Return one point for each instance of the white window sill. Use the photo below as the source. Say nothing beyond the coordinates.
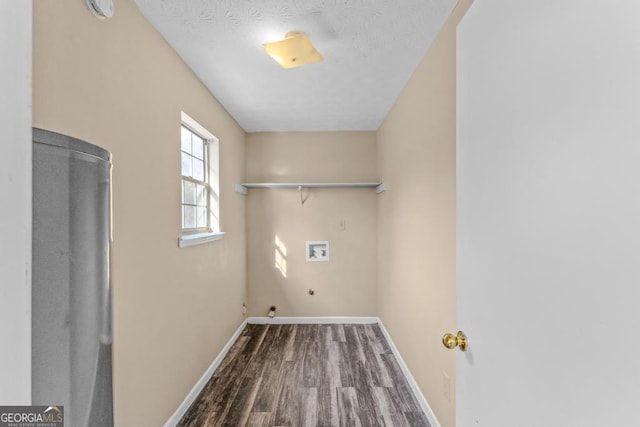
(198, 239)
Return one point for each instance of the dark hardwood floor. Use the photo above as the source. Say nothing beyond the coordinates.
(307, 375)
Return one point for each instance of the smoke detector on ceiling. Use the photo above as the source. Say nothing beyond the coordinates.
(101, 8)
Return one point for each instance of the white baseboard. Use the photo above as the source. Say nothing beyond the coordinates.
(195, 391)
(310, 320)
(412, 382)
(184, 406)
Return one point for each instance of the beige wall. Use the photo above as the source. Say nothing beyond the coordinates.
(416, 232)
(116, 83)
(344, 286)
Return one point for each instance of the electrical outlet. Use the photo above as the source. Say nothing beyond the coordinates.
(244, 308)
(446, 386)
(342, 225)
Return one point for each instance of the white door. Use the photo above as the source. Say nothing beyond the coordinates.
(548, 231)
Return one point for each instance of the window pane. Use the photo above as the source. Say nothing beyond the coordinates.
(198, 169)
(198, 146)
(186, 165)
(201, 195)
(186, 140)
(189, 217)
(200, 181)
(189, 193)
(201, 217)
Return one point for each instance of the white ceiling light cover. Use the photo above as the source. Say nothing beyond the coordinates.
(294, 51)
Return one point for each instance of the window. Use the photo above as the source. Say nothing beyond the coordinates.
(200, 184)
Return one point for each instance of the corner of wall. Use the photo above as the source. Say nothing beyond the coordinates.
(416, 219)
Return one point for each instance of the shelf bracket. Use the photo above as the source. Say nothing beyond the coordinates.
(381, 188)
(241, 189)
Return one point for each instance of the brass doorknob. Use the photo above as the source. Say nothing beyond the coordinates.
(452, 341)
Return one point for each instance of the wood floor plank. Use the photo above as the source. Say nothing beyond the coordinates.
(237, 412)
(417, 419)
(327, 404)
(338, 333)
(384, 346)
(402, 394)
(307, 375)
(311, 365)
(379, 371)
(272, 359)
(353, 342)
(221, 389)
(308, 415)
(367, 409)
(379, 375)
(291, 347)
(347, 407)
(260, 419)
(289, 396)
(390, 414)
(225, 401)
(332, 373)
(345, 364)
(249, 401)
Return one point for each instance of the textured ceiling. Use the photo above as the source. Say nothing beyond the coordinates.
(371, 48)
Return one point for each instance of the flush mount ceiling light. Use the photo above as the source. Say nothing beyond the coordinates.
(294, 51)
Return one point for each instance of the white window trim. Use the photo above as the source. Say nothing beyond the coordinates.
(197, 239)
(186, 240)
